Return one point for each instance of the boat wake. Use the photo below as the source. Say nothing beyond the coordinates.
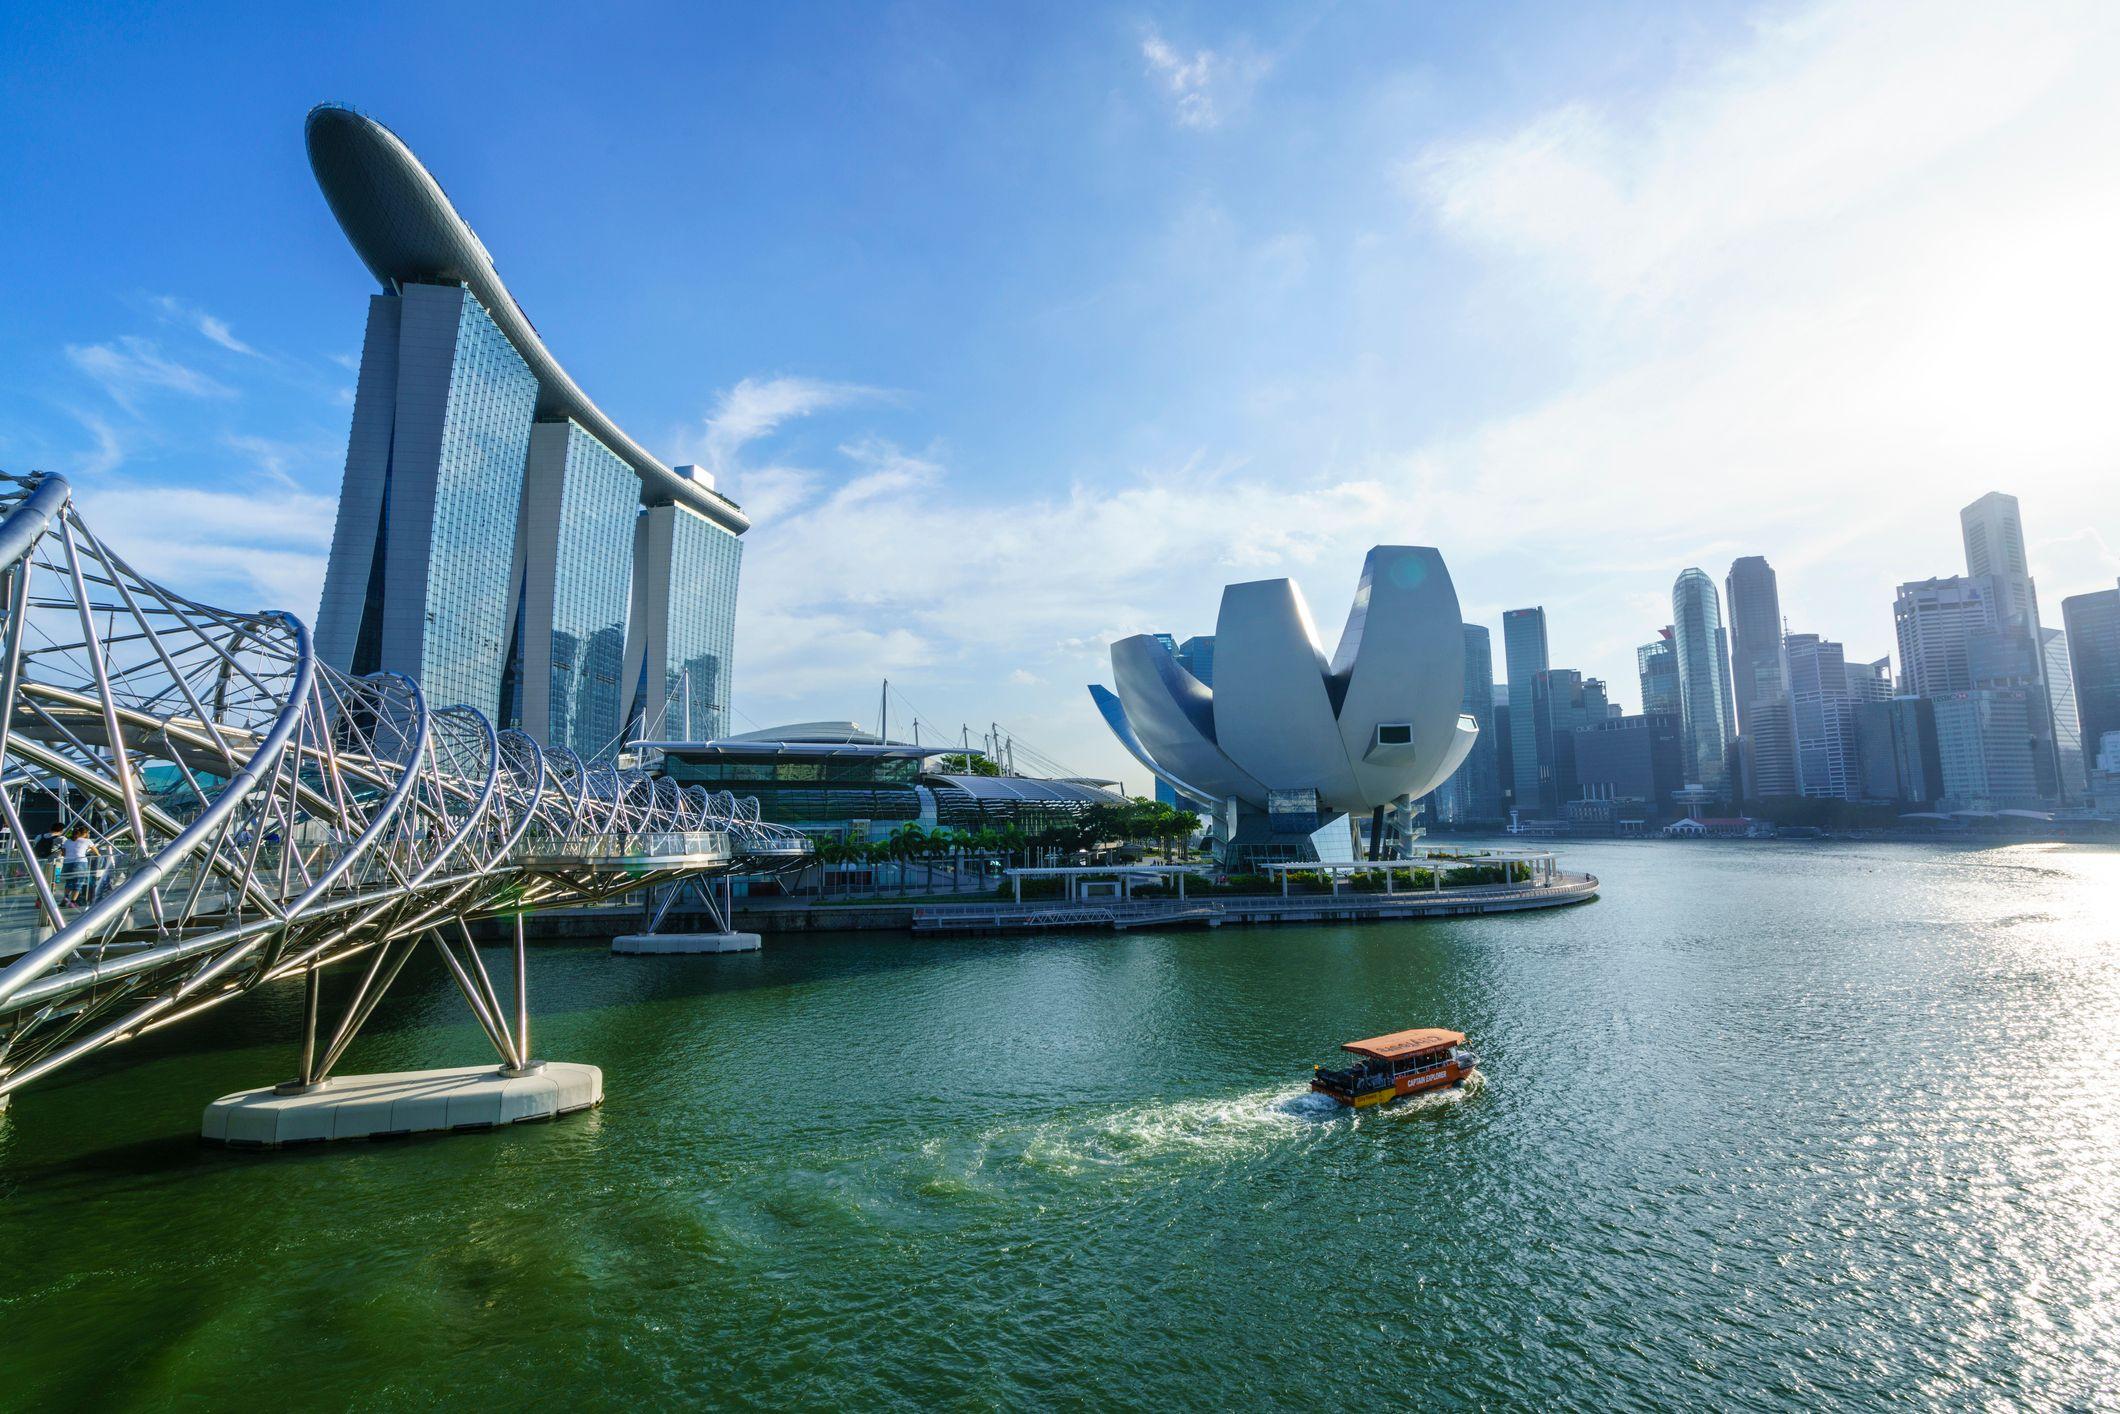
(1218, 1128)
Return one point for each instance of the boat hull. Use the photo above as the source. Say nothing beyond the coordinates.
(1400, 1087)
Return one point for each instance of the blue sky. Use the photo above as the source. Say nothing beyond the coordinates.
(1020, 328)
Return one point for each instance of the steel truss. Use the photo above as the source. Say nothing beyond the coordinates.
(256, 814)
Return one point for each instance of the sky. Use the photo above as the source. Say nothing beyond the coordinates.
(1017, 329)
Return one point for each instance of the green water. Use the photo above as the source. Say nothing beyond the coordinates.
(1768, 1125)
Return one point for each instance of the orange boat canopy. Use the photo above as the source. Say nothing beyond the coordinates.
(1401, 1044)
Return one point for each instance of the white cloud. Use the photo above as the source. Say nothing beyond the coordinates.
(207, 325)
(241, 549)
(1205, 86)
(1818, 295)
(757, 407)
(130, 366)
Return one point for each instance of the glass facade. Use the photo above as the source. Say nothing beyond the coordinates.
(592, 575)
(705, 562)
(1524, 656)
(478, 483)
(1703, 677)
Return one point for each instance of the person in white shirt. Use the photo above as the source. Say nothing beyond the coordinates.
(77, 854)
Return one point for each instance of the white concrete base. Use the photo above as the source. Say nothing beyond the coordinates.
(405, 1102)
(687, 942)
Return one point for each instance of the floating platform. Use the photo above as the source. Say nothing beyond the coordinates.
(687, 942)
(401, 1102)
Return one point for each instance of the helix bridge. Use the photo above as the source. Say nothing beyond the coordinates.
(255, 814)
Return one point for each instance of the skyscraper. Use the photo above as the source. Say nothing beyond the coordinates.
(1477, 787)
(1994, 553)
(1657, 663)
(573, 574)
(1757, 670)
(1823, 716)
(1524, 652)
(417, 582)
(486, 537)
(1703, 677)
(2068, 725)
(1197, 656)
(2092, 622)
(1563, 700)
(1935, 620)
(682, 629)
(1984, 742)
(1994, 545)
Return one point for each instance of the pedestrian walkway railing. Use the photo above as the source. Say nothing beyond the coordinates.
(263, 815)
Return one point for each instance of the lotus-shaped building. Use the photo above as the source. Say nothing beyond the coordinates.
(1286, 741)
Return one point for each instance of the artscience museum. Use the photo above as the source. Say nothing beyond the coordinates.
(1292, 755)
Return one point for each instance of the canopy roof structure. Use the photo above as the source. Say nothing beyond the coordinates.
(1400, 1044)
(405, 230)
(1030, 789)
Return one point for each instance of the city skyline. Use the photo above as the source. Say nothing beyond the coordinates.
(1186, 377)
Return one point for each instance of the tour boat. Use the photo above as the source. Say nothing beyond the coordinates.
(1402, 1063)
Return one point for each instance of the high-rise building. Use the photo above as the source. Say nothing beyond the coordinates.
(1524, 654)
(1935, 620)
(1475, 791)
(1994, 545)
(1757, 670)
(1871, 681)
(1703, 678)
(1897, 744)
(1197, 656)
(2092, 622)
(2061, 700)
(1504, 748)
(682, 632)
(1823, 715)
(1657, 664)
(1562, 701)
(1994, 553)
(1635, 762)
(1984, 743)
(487, 542)
(1768, 752)
(418, 582)
(573, 574)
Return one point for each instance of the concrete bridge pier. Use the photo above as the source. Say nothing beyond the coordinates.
(315, 1106)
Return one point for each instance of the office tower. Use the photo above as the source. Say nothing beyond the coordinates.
(1757, 671)
(1994, 552)
(1197, 656)
(2092, 623)
(1984, 743)
(1476, 788)
(1170, 644)
(1994, 545)
(1657, 663)
(1871, 681)
(1769, 752)
(1632, 759)
(682, 631)
(1562, 701)
(1896, 742)
(1703, 678)
(418, 581)
(486, 529)
(1935, 620)
(1822, 713)
(1504, 749)
(573, 578)
(2061, 700)
(1524, 654)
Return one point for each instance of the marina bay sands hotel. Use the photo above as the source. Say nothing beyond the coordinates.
(499, 538)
